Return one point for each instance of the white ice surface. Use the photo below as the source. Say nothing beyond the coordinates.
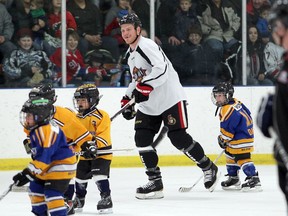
(198, 202)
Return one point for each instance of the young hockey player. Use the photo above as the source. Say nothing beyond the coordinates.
(274, 109)
(53, 163)
(236, 137)
(97, 122)
(78, 137)
(161, 98)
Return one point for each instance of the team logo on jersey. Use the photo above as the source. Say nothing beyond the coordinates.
(138, 73)
(171, 120)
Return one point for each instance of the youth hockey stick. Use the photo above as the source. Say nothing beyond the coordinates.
(6, 192)
(132, 101)
(187, 189)
(158, 139)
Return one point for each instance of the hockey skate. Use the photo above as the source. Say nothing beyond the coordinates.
(70, 207)
(232, 183)
(105, 205)
(79, 203)
(152, 190)
(252, 184)
(211, 177)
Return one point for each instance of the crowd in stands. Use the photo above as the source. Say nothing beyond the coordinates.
(202, 38)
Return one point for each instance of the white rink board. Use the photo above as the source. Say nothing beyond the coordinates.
(203, 125)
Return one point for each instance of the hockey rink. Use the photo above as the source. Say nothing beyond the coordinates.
(197, 202)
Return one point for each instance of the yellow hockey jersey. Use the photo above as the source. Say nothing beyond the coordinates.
(75, 133)
(98, 123)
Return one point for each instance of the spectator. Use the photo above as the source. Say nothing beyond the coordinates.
(219, 23)
(272, 58)
(255, 57)
(165, 16)
(184, 19)
(39, 20)
(54, 25)
(89, 28)
(77, 72)
(253, 10)
(142, 9)
(26, 67)
(113, 29)
(262, 23)
(191, 60)
(6, 32)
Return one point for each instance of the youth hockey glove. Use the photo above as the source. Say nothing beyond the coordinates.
(142, 92)
(89, 150)
(23, 177)
(222, 143)
(129, 113)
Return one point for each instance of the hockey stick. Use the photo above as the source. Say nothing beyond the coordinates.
(187, 189)
(132, 101)
(158, 139)
(7, 191)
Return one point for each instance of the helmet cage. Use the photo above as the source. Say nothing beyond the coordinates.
(40, 108)
(88, 91)
(227, 89)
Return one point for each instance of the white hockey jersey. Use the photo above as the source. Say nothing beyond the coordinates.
(148, 64)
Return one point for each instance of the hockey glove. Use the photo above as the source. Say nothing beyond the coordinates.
(89, 150)
(222, 143)
(23, 177)
(141, 92)
(129, 113)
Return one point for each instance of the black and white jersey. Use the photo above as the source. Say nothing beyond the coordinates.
(148, 64)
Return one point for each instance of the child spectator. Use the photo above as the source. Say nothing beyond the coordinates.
(39, 20)
(77, 72)
(184, 19)
(26, 67)
(262, 23)
(191, 62)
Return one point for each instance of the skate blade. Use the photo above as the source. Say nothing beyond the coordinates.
(236, 187)
(78, 209)
(151, 195)
(212, 188)
(232, 188)
(105, 211)
(257, 188)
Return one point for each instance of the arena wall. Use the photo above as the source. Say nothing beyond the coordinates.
(203, 126)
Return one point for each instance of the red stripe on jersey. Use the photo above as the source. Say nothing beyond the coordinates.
(180, 113)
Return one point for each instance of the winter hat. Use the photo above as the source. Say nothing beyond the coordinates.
(195, 29)
(23, 32)
(122, 13)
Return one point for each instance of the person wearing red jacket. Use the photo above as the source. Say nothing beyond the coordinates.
(77, 72)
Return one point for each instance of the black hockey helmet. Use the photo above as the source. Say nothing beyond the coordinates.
(44, 91)
(100, 56)
(279, 11)
(223, 87)
(89, 91)
(41, 109)
(131, 18)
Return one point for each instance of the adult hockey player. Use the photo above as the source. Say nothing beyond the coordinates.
(78, 137)
(160, 98)
(236, 137)
(53, 162)
(97, 121)
(274, 108)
